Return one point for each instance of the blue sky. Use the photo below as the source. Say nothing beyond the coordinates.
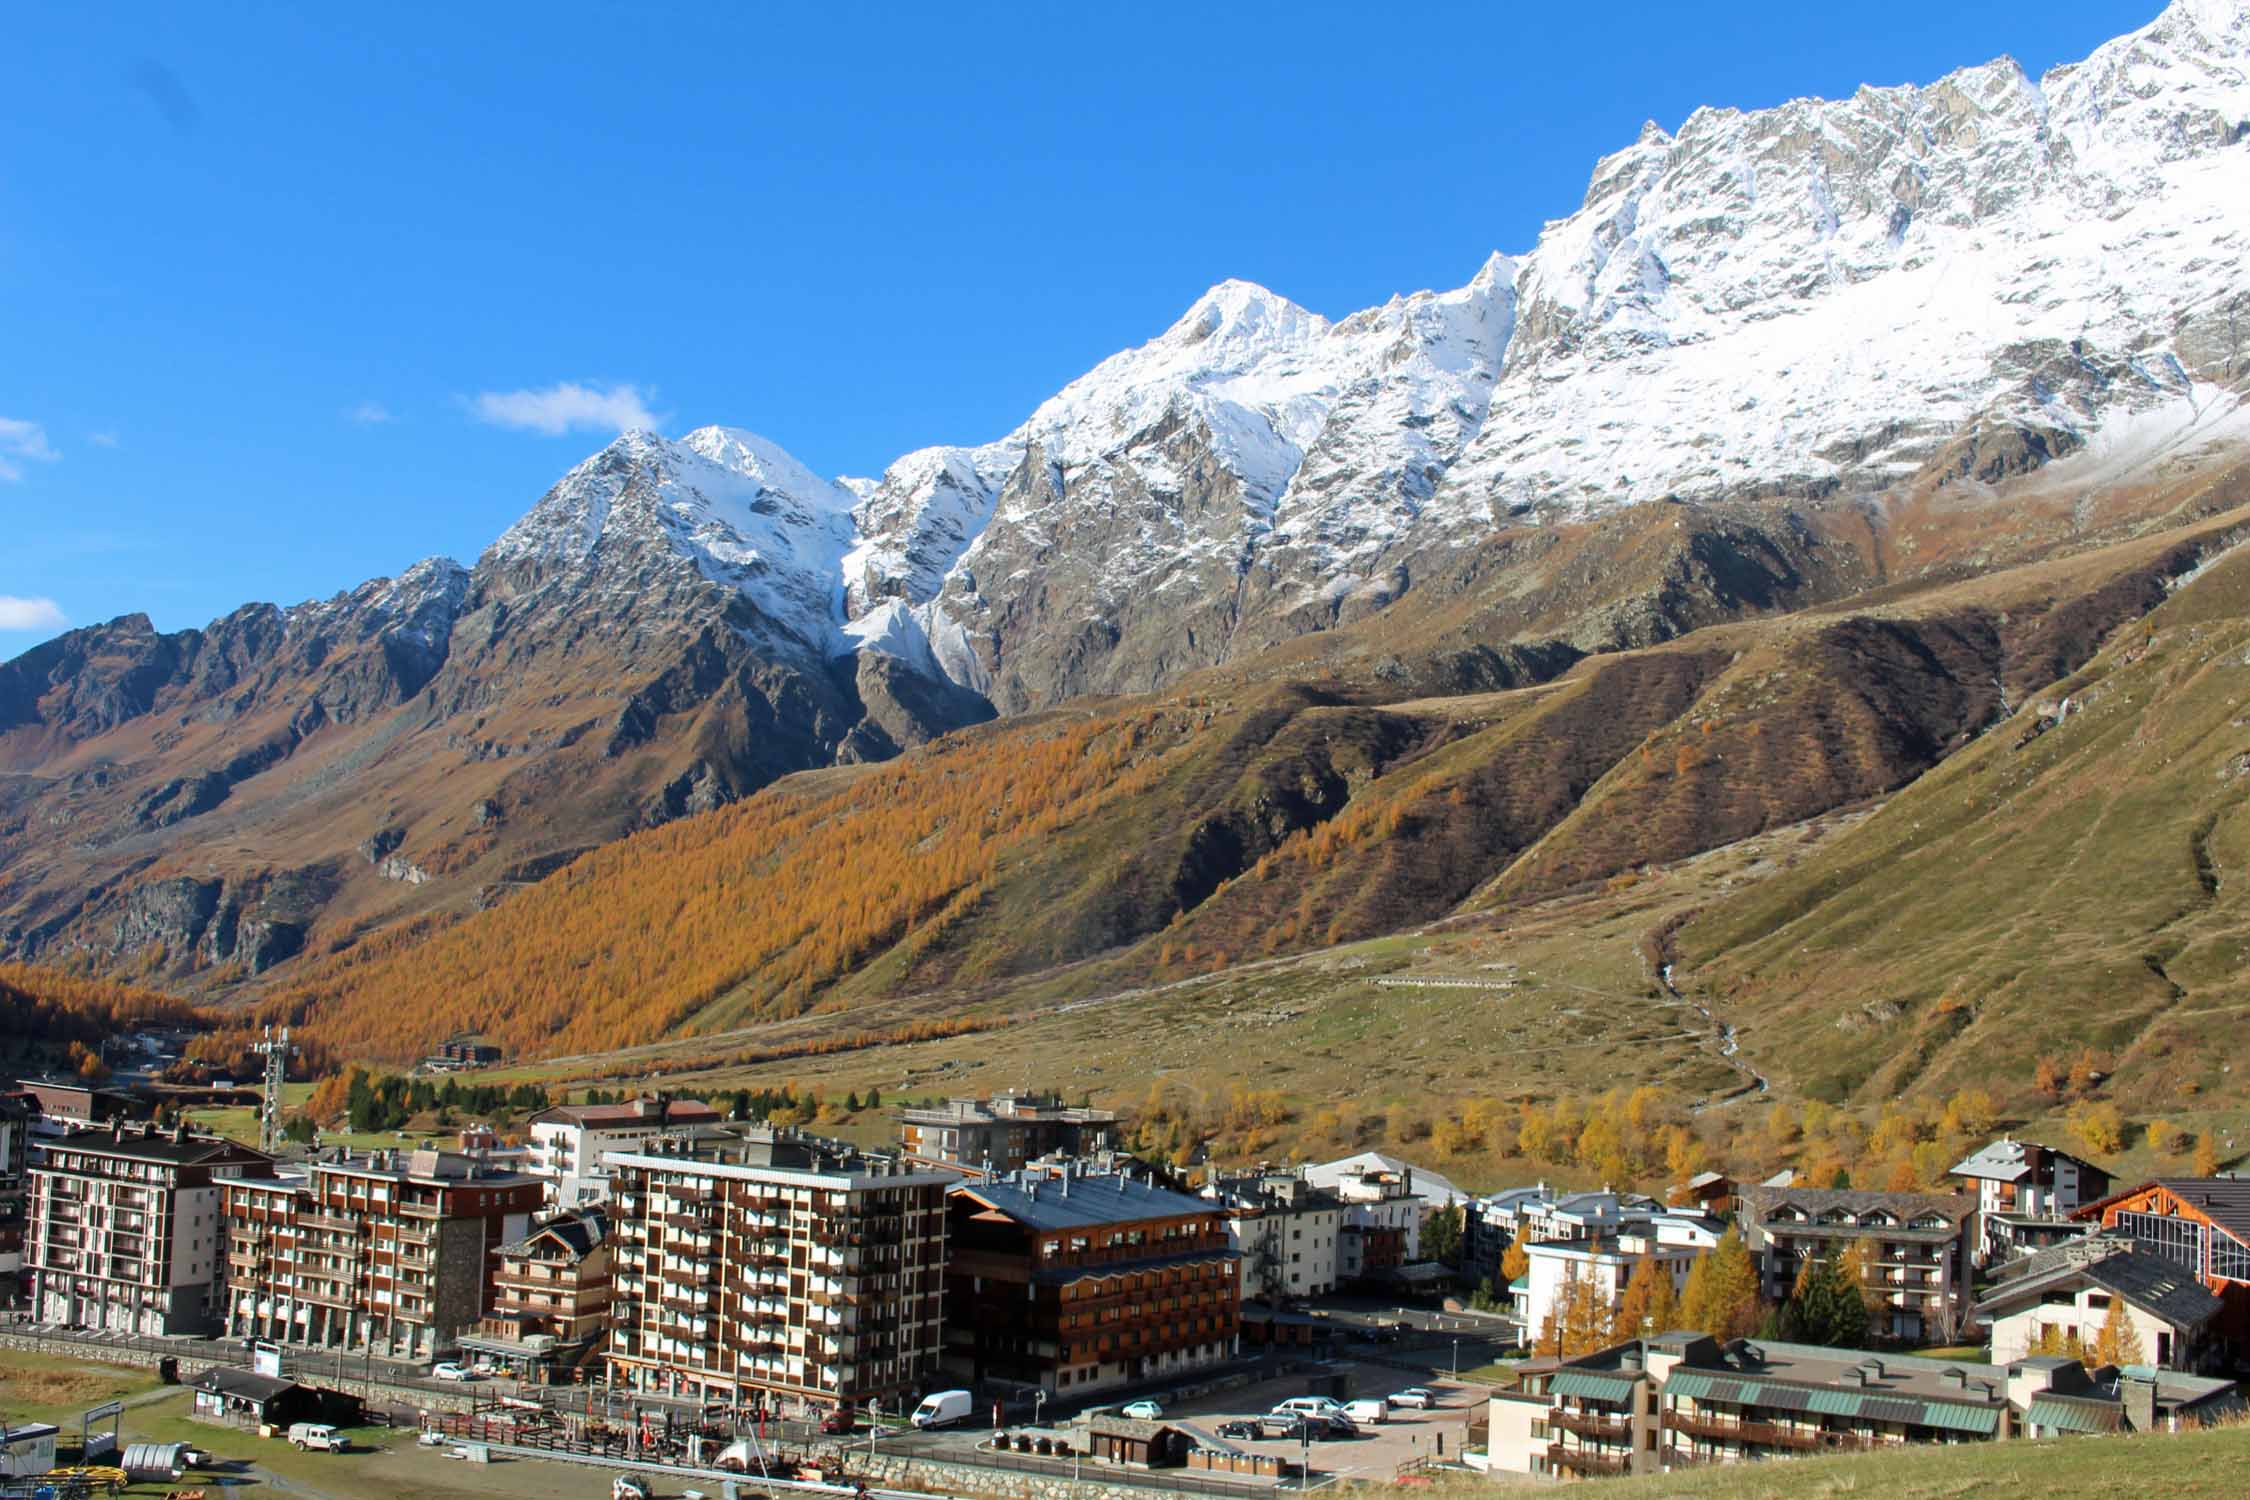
(269, 275)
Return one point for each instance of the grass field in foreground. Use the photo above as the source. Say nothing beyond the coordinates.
(2210, 1465)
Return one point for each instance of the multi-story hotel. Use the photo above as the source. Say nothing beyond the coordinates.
(1073, 1282)
(1918, 1270)
(2026, 1194)
(123, 1230)
(1004, 1132)
(770, 1265)
(390, 1251)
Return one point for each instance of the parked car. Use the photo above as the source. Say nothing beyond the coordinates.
(840, 1421)
(1420, 1397)
(1368, 1409)
(306, 1436)
(1238, 1430)
(1331, 1425)
(628, 1487)
(1281, 1426)
(1143, 1411)
(430, 1438)
(451, 1370)
(1309, 1406)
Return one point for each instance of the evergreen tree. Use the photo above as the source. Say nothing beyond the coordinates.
(1441, 1235)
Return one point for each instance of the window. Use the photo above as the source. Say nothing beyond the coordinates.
(2177, 1240)
(2230, 1257)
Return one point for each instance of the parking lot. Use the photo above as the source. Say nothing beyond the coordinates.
(1379, 1451)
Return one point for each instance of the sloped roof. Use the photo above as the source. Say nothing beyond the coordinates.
(2118, 1264)
(1760, 1203)
(2224, 1200)
(2007, 1160)
(573, 1235)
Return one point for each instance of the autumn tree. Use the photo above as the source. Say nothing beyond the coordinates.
(1515, 1264)
(2099, 1126)
(1642, 1310)
(2206, 1155)
(2048, 1076)
(1721, 1298)
(2119, 1342)
(2166, 1138)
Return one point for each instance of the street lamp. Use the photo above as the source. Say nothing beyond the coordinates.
(1456, 1359)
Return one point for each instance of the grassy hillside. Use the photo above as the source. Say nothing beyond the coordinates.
(2205, 1465)
(2077, 879)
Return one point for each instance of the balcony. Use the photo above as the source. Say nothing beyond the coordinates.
(1584, 1461)
(1589, 1424)
(1761, 1434)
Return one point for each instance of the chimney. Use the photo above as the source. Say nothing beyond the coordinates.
(2139, 1395)
(1854, 1377)
(1956, 1380)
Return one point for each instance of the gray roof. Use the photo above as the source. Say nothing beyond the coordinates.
(2225, 1200)
(1759, 1204)
(157, 1146)
(2006, 1160)
(1081, 1202)
(2127, 1267)
(577, 1232)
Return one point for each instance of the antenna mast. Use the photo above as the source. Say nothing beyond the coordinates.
(277, 1052)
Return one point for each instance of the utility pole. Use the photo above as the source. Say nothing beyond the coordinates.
(277, 1052)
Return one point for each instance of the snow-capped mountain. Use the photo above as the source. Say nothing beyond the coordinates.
(1833, 299)
(1815, 327)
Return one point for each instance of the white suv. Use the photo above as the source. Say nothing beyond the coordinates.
(1309, 1406)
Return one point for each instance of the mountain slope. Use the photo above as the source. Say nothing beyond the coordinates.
(2072, 879)
(1773, 361)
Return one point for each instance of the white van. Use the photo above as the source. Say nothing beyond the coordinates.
(1368, 1410)
(1310, 1406)
(307, 1436)
(942, 1409)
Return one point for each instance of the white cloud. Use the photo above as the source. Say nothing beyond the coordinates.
(30, 614)
(370, 413)
(102, 439)
(566, 407)
(21, 441)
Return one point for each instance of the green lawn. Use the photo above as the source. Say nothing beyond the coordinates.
(2208, 1465)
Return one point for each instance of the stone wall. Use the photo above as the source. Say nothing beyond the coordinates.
(379, 1393)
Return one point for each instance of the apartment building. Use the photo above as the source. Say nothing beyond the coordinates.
(550, 1297)
(1080, 1281)
(569, 1141)
(1673, 1241)
(1005, 1132)
(1286, 1232)
(2201, 1224)
(1683, 1400)
(123, 1228)
(1923, 1244)
(769, 1265)
(2070, 1290)
(391, 1252)
(2026, 1194)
